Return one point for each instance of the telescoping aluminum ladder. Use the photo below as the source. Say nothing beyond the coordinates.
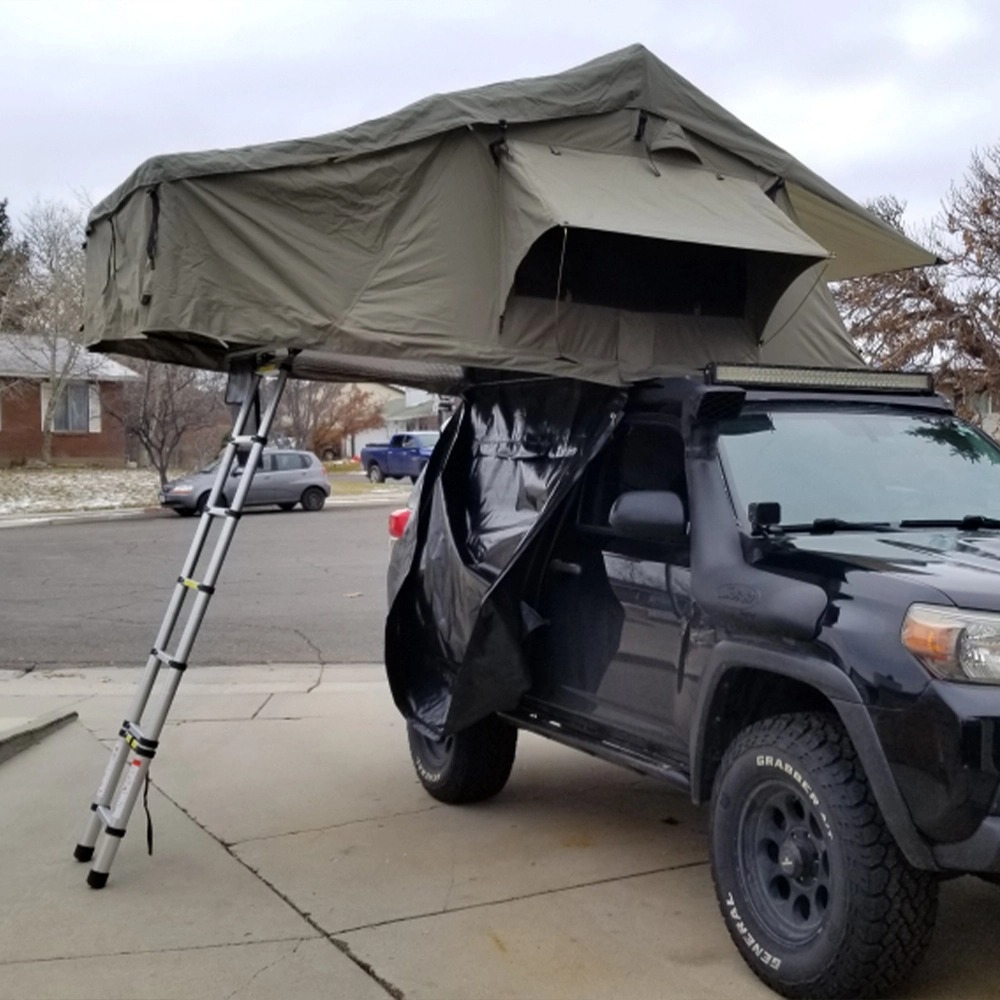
(127, 770)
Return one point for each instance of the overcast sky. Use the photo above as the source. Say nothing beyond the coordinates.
(883, 96)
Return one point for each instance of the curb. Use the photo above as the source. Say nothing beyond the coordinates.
(78, 516)
(15, 740)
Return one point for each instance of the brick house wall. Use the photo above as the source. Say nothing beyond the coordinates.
(21, 429)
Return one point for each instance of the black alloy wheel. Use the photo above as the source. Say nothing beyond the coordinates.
(786, 858)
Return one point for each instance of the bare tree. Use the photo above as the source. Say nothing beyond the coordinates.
(45, 298)
(168, 404)
(942, 318)
(13, 258)
(357, 411)
(972, 222)
(319, 415)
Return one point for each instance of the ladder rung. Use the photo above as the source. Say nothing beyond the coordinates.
(131, 728)
(167, 659)
(186, 581)
(106, 818)
(137, 740)
(223, 512)
(247, 439)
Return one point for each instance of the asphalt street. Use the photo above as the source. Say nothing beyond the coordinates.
(296, 587)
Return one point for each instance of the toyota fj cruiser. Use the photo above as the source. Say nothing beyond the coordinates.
(776, 589)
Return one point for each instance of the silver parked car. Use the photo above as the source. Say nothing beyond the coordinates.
(284, 477)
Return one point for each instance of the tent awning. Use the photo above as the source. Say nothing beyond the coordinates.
(658, 197)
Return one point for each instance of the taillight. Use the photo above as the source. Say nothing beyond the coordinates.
(398, 520)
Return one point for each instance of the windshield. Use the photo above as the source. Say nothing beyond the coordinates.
(860, 465)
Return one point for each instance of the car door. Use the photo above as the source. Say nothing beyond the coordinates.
(262, 488)
(652, 582)
(290, 472)
(409, 457)
(618, 609)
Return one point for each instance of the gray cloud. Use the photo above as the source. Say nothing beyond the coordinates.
(887, 97)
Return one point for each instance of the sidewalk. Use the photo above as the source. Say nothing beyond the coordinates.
(296, 855)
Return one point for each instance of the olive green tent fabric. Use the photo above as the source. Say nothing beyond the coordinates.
(610, 223)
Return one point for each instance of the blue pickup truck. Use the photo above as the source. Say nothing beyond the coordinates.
(404, 455)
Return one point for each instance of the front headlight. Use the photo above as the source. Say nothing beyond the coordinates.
(953, 643)
(180, 489)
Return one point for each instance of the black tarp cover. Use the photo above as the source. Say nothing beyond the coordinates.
(458, 618)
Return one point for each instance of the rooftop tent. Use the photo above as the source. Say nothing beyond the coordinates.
(608, 223)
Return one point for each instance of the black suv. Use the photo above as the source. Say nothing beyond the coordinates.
(776, 589)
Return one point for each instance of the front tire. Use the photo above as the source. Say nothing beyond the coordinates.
(470, 766)
(375, 473)
(814, 890)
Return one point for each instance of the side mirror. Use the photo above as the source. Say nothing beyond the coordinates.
(650, 516)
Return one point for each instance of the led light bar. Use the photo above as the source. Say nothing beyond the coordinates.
(789, 377)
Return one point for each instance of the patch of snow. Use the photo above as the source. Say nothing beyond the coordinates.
(47, 491)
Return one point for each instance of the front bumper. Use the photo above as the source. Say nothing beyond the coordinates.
(177, 502)
(944, 754)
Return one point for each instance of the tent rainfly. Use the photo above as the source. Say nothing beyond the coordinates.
(609, 223)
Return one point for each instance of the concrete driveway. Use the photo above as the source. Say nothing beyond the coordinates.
(296, 855)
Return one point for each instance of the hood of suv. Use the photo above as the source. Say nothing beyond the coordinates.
(964, 565)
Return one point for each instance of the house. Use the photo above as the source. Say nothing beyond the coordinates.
(406, 409)
(83, 430)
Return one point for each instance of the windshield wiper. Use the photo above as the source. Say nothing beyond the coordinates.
(828, 525)
(971, 522)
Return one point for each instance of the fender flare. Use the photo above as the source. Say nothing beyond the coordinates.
(831, 682)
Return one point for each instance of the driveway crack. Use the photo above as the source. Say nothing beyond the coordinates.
(316, 650)
(393, 991)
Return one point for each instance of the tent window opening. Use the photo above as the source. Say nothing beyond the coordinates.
(72, 409)
(635, 273)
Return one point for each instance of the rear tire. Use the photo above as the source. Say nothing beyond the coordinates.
(375, 473)
(470, 766)
(313, 499)
(816, 894)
